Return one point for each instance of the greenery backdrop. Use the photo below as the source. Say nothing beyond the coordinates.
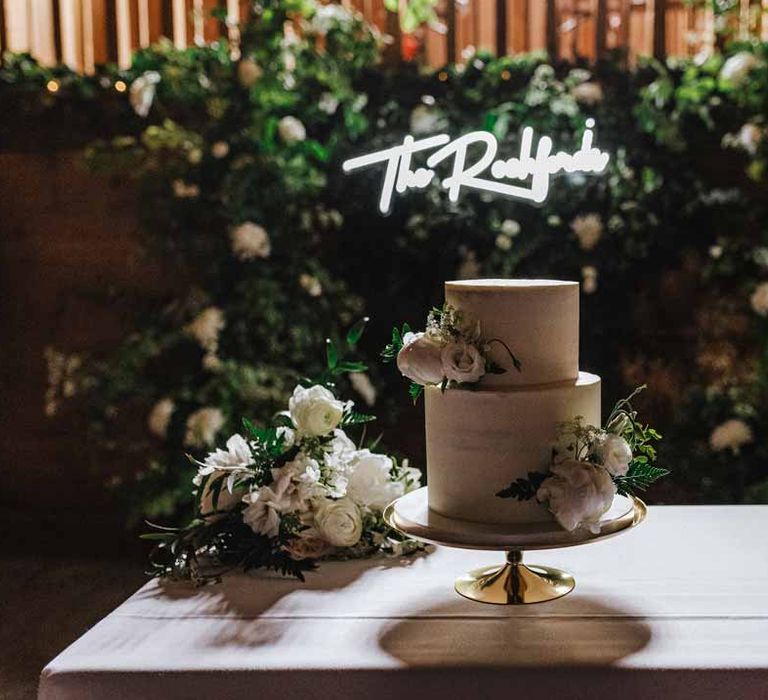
(238, 160)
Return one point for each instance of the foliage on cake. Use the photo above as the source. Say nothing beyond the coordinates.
(451, 351)
(590, 465)
(287, 494)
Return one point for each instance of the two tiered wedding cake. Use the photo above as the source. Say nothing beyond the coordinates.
(481, 439)
(513, 427)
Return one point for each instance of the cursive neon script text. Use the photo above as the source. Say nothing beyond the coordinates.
(537, 166)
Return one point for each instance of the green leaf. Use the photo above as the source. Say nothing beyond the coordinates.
(349, 366)
(355, 418)
(639, 477)
(415, 390)
(354, 333)
(161, 536)
(523, 488)
(331, 354)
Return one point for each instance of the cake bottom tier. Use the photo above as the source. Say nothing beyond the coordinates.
(480, 441)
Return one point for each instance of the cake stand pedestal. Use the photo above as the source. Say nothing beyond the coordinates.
(512, 583)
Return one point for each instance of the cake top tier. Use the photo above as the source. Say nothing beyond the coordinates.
(538, 319)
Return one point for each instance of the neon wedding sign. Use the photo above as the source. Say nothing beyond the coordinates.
(538, 168)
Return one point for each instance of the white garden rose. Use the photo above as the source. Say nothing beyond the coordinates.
(160, 416)
(308, 545)
(310, 284)
(510, 227)
(250, 241)
(142, 92)
(424, 120)
(220, 150)
(749, 137)
(614, 453)
(328, 103)
(185, 190)
(205, 328)
(419, 359)
(731, 435)
(577, 493)
(370, 484)
(291, 130)
(202, 426)
(339, 522)
(759, 299)
(362, 384)
(315, 411)
(588, 229)
(588, 93)
(249, 72)
(462, 362)
(737, 67)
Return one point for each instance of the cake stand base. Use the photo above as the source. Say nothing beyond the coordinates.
(515, 583)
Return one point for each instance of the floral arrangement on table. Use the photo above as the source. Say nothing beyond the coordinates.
(290, 493)
(591, 465)
(450, 352)
(238, 159)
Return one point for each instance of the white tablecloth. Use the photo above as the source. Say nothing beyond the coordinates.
(677, 607)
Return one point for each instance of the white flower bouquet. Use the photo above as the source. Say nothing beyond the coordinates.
(450, 352)
(284, 495)
(590, 465)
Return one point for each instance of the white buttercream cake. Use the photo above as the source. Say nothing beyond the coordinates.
(481, 439)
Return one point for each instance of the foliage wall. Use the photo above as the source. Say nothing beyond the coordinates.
(239, 166)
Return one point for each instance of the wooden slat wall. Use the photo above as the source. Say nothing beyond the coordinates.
(85, 33)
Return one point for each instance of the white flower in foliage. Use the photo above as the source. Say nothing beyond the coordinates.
(202, 426)
(249, 72)
(206, 327)
(315, 411)
(229, 463)
(370, 484)
(731, 435)
(462, 362)
(425, 120)
(759, 299)
(220, 150)
(577, 493)
(339, 522)
(749, 137)
(142, 92)
(588, 93)
(614, 453)
(160, 416)
(419, 359)
(310, 284)
(328, 103)
(588, 229)
(291, 130)
(250, 241)
(736, 69)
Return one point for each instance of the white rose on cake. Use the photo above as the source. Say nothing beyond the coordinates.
(578, 493)
(419, 359)
(339, 522)
(315, 411)
(614, 453)
(370, 484)
(462, 362)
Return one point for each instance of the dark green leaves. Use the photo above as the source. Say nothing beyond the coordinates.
(639, 477)
(415, 390)
(390, 352)
(354, 333)
(523, 489)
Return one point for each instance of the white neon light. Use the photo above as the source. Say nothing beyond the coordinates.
(539, 167)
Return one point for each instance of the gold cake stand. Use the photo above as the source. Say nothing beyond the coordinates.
(512, 583)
